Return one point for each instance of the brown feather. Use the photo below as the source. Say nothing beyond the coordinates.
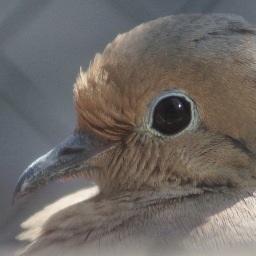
(193, 191)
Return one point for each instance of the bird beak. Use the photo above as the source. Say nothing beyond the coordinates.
(67, 160)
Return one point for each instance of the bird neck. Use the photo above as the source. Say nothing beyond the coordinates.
(143, 213)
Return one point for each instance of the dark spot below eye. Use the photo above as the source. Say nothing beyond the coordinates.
(241, 144)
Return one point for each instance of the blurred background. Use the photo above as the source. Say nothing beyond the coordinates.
(43, 43)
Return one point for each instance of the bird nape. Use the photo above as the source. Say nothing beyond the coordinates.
(166, 123)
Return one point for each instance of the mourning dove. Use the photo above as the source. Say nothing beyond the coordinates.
(166, 123)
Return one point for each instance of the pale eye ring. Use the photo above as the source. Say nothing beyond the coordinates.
(172, 113)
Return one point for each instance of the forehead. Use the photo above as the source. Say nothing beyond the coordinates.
(202, 55)
(173, 48)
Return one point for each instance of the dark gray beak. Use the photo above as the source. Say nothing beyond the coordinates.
(67, 160)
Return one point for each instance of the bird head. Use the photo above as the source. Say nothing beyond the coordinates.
(170, 104)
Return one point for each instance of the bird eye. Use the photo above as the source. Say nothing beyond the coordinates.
(171, 115)
(173, 112)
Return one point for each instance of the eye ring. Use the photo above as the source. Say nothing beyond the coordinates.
(172, 113)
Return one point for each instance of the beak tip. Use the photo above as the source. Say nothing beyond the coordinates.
(18, 193)
(15, 197)
(20, 190)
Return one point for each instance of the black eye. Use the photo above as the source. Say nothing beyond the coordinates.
(171, 115)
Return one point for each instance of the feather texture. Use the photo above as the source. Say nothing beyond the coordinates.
(193, 192)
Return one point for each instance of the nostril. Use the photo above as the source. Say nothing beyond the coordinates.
(70, 151)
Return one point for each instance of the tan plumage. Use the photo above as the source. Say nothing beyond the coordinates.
(191, 190)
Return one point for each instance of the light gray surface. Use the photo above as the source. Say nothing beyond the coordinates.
(42, 46)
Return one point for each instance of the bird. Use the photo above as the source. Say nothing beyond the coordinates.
(165, 130)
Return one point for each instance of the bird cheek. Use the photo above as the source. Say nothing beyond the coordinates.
(204, 160)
